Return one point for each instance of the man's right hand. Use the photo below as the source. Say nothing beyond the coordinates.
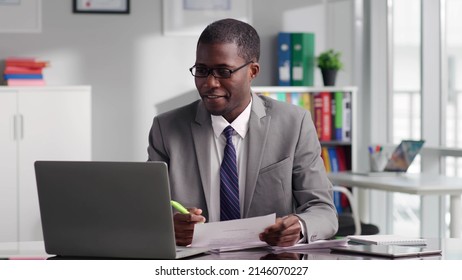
(184, 225)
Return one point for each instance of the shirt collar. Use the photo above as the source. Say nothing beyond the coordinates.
(240, 124)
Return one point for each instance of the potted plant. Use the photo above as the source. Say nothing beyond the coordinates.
(329, 63)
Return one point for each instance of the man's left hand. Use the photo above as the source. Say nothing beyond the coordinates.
(285, 232)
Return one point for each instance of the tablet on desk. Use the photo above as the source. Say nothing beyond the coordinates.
(388, 251)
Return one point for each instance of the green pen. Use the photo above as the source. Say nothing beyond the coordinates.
(179, 207)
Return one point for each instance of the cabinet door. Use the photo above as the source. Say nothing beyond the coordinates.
(56, 126)
(8, 167)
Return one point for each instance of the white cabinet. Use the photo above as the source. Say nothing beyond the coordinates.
(37, 123)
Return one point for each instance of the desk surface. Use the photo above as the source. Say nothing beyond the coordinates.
(420, 184)
(451, 247)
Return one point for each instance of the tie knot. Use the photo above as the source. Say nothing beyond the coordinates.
(228, 132)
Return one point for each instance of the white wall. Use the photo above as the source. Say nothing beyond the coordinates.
(134, 70)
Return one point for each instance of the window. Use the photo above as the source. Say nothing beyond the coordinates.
(453, 61)
(406, 102)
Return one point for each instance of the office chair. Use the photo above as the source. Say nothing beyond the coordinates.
(349, 223)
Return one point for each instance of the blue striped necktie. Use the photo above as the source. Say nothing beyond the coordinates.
(229, 181)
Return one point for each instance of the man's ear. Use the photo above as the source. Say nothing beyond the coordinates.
(254, 70)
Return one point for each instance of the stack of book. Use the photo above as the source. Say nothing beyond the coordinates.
(24, 72)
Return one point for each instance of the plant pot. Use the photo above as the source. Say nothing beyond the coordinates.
(328, 76)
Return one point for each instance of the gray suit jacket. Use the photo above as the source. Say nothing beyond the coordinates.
(285, 173)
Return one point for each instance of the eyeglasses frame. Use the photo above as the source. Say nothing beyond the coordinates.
(210, 71)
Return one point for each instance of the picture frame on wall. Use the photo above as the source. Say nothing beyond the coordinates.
(101, 6)
(20, 16)
(190, 17)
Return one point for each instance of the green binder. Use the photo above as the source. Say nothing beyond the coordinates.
(303, 59)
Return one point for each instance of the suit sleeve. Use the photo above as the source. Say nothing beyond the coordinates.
(312, 189)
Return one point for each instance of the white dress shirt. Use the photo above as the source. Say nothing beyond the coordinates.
(240, 126)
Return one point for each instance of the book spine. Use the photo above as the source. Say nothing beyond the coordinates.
(317, 108)
(21, 70)
(284, 59)
(325, 157)
(346, 117)
(333, 159)
(342, 165)
(333, 111)
(28, 64)
(326, 131)
(295, 98)
(281, 96)
(288, 97)
(338, 123)
(338, 202)
(307, 99)
(23, 76)
(19, 82)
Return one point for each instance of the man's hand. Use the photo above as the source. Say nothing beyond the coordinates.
(184, 225)
(285, 232)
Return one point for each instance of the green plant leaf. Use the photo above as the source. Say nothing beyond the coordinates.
(329, 59)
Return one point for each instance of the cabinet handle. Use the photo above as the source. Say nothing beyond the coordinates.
(15, 127)
(21, 124)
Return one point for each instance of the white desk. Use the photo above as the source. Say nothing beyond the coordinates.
(35, 250)
(419, 184)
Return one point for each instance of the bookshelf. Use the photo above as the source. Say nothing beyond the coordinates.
(322, 103)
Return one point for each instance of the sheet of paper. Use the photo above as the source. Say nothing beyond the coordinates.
(242, 233)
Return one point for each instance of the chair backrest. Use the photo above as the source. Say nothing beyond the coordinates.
(354, 209)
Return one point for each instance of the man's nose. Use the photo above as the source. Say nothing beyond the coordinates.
(212, 81)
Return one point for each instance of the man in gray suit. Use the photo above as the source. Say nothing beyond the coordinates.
(279, 167)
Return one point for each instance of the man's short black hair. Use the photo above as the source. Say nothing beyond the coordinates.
(233, 31)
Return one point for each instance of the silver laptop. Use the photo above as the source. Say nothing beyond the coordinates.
(107, 209)
(404, 155)
(400, 160)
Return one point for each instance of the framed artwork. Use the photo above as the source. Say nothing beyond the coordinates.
(190, 17)
(10, 2)
(20, 16)
(101, 6)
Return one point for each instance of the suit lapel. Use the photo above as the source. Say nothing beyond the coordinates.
(258, 131)
(201, 131)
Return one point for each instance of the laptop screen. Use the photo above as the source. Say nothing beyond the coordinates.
(403, 155)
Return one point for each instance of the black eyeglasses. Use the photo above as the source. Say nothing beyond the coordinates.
(220, 72)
